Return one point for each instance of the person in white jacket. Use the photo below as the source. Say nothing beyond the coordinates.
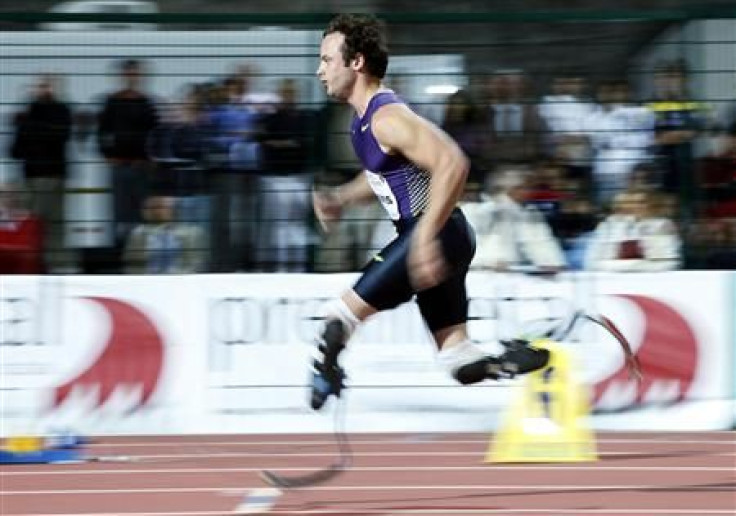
(637, 236)
(510, 235)
(622, 134)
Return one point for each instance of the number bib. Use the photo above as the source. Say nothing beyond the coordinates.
(381, 188)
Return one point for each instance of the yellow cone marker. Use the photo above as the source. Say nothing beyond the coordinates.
(547, 421)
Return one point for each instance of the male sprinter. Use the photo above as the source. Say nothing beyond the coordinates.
(418, 173)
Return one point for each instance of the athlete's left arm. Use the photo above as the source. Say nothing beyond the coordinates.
(400, 131)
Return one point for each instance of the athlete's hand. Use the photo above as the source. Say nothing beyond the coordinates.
(327, 207)
(426, 263)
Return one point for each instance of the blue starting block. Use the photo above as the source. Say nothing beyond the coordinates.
(44, 456)
(37, 450)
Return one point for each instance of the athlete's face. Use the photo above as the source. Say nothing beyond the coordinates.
(337, 78)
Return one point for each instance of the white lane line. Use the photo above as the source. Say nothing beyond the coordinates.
(443, 512)
(387, 487)
(520, 467)
(379, 442)
(294, 454)
(259, 501)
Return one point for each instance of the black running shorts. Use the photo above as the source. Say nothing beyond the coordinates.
(385, 281)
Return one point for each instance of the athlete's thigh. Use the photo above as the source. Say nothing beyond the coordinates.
(446, 304)
(385, 281)
(458, 242)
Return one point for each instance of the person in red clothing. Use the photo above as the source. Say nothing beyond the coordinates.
(21, 235)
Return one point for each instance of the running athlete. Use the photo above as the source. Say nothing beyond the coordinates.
(418, 173)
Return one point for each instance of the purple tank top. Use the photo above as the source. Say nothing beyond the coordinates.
(400, 185)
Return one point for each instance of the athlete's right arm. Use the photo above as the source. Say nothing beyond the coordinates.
(328, 204)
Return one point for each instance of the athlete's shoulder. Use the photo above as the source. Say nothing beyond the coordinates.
(392, 118)
(389, 106)
(396, 110)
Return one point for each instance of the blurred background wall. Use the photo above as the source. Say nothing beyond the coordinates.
(595, 100)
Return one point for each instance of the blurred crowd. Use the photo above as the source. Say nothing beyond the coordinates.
(580, 177)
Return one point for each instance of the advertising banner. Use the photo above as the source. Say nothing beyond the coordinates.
(231, 353)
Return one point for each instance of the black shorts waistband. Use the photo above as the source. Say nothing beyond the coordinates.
(402, 225)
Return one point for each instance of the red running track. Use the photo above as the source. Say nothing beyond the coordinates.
(393, 474)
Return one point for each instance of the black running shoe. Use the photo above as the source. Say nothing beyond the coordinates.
(521, 357)
(486, 368)
(328, 378)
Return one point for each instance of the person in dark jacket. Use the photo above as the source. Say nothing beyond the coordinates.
(124, 124)
(284, 184)
(42, 132)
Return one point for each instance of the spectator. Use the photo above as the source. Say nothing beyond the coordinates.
(508, 233)
(565, 113)
(262, 102)
(234, 126)
(644, 176)
(42, 133)
(717, 241)
(717, 177)
(678, 120)
(638, 236)
(124, 124)
(21, 235)
(566, 208)
(285, 184)
(461, 121)
(235, 158)
(513, 118)
(622, 135)
(179, 147)
(547, 187)
(573, 225)
(161, 245)
(712, 238)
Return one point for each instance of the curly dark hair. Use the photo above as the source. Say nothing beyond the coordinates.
(364, 34)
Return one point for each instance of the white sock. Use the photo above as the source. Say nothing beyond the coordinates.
(454, 357)
(338, 309)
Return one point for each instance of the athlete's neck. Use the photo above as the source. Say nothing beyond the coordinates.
(363, 93)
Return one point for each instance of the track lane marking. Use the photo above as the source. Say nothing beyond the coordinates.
(520, 467)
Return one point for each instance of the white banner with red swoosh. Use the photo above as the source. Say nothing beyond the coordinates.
(230, 353)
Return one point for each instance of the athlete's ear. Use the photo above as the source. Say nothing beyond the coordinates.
(358, 62)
